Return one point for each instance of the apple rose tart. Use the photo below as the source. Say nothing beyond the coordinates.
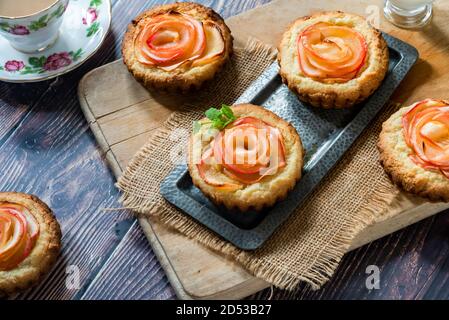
(333, 59)
(414, 148)
(176, 46)
(245, 157)
(30, 241)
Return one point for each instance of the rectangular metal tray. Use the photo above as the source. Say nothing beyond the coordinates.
(326, 135)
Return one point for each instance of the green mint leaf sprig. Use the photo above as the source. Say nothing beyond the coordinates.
(219, 119)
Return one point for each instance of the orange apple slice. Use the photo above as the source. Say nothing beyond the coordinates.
(426, 132)
(18, 234)
(247, 150)
(215, 45)
(171, 40)
(329, 52)
(211, 176)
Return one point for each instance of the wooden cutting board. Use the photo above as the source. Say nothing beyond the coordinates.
(123, 116)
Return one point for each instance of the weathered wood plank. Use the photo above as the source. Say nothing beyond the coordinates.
(15, 102)
(113, 101)
(136, 142)
(136, 273)
(139, 117)
(53, 154)
(66, 170)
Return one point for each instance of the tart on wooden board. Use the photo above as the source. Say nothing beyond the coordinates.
(252, 161)
(332, 59)
(414, 148)
(176, 47)
(30, 241)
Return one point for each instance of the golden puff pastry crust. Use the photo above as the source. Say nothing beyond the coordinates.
(271, 188)
(334, 94)
(411, 177)
(185, 77)
(46, 249)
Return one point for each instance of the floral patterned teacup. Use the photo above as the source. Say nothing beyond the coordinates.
(35, 32)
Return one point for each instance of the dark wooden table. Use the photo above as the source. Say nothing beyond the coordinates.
(47, 149)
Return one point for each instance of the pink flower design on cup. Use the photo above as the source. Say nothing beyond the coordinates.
(14, 65)
(57, 61)
(91, 16)
(19, 30)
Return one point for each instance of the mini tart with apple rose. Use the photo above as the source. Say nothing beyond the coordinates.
(332, 59)
(251, 162)
(30, 241)
(414, 148)
(176, 47)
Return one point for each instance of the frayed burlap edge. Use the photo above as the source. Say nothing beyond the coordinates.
(326, 263)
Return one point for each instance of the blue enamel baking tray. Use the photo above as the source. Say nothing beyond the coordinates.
(326, 135)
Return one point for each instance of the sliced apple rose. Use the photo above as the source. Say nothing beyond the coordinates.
(170, 40)
(426, 131)
(243, 153)
(18, 234)
(331, 53)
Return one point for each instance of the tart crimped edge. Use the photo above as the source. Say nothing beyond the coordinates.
(410, 177)
(336, 95)
(176, 80)
(270, 197)
(43, 256)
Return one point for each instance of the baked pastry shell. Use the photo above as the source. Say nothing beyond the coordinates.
(183, 78)
(270, 189)
(394, 157)
(45, 252)
(333, 95)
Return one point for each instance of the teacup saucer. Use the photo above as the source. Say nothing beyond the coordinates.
(85, 25)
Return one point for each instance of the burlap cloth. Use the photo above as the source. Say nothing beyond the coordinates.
(309, 246)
